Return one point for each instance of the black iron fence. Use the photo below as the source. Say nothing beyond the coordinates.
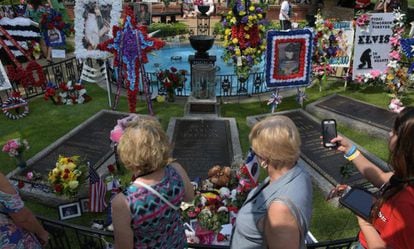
(70, 236)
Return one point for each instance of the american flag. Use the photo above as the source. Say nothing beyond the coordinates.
(97, 191)
(252, 167)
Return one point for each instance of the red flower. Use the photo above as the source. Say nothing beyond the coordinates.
(220, 237)
(16, 94)
(233, 209)
(63, 86)
(65, 176)
(78, 87)
(20, 184)
(67, 171)
(58, 188)
(111, 168)
(50, 26)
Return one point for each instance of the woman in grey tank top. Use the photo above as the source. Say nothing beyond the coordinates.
(276, 214)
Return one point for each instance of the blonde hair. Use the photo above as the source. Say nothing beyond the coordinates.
(276, 140)
(144, 146)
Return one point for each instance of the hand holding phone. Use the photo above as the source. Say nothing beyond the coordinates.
(328, 132)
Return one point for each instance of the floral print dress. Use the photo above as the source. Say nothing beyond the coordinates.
(12, 236)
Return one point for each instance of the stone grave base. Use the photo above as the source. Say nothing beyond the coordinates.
(355, 114)
(324, 165)
(201, 143)
(89, 140)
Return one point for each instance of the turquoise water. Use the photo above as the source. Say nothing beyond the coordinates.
(177, 56)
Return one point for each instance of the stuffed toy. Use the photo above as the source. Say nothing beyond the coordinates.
(396, 105)
(219, 176)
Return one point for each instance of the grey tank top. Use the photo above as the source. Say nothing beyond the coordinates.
(293, 189)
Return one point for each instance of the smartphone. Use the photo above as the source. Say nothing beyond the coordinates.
(328, 132)
(359, 201)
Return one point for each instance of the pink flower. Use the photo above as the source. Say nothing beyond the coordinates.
(29, 175)
(395, 55)
(395, 41)
(359, 78)
(375, 73)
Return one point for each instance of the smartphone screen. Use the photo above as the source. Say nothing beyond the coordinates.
(328, 132)
(358, 201)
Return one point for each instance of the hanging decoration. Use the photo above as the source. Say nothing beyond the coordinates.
(130, 46)
(244, 32)
(396, 74)
(274, 100)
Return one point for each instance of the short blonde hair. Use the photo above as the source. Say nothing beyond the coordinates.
(144, 146)
(276, 140)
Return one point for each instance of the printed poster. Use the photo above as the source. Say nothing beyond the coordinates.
(342, 44)
(372, 44)
(4, 80)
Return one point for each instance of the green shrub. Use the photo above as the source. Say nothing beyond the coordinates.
(170, 29)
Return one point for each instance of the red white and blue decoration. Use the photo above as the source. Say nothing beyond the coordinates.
(130, 46)
(288, 58)
(407, 46)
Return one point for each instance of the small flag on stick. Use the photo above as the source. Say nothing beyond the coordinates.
(97, 191)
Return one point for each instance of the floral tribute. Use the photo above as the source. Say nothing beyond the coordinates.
(244, 32)
(65, 178)
(396, 75)
(130, 46)
(362, 21)
(15, 147)
(172, 79)
(53, 27)
(216, 204)
(66, 93)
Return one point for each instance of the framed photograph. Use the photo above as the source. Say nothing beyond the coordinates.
(143, 13)
(94, 20)
(69, 211)
(4, 79)
(288, 59)
(84, 203)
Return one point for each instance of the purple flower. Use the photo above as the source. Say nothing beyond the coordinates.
(259, 10)
(244, 20)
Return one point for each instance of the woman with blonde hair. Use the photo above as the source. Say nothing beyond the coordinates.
(276, 214)
(146, 214)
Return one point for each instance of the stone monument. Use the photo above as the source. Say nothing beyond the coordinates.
(203, 73)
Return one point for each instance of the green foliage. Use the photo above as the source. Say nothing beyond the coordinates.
(169, 29)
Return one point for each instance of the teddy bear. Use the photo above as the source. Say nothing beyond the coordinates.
(396, 105)
(219, 176)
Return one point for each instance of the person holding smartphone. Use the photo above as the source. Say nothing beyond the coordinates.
(391, 221)
(276, 214)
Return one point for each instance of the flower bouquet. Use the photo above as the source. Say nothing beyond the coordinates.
(15, 148)
(65, 178)
(67, 94)
(215, 207)
(244, 31)
(172, 79)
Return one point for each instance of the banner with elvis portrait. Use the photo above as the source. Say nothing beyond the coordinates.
(372, 44)
(94, 20)
(288, 58)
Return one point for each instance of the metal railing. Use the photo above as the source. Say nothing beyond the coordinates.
(70, 236)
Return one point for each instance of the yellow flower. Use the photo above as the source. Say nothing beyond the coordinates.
(233, 20)
(247, 36)
(251, 8)
(260, 16)
(227, 31)
(73, 184)
(235, 40)
(160, 98)
(390, 77)
(63, 160)
(242, 13)
(70, 166)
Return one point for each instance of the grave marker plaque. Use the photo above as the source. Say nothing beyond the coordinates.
(201, 144)
(326, 162)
